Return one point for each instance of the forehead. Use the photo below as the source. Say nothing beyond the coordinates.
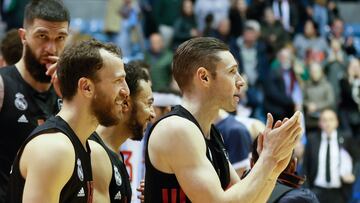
(113, 65)
(328, 115)
(227, 60)
(40, 25)
(144, 91)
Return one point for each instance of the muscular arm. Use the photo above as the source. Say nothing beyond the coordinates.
(46, 164)
(183, 152)
(102, 172)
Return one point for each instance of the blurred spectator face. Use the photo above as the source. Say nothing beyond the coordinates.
(241, 5)
(309, 29)
(187, 7)
(328, 121)
(316, 72)
(269, 16)
(224, 27)
(354, 69)
(285, 58)
(337, 28)
(156, 43)
(250, 36)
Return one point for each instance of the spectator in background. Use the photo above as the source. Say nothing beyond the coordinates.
(349, 106)
(327, 164)
(255, 10)
(251, 55)
(12, 12)
(282, 90)
(223, 33)
(185, 26)
(237, 141)
(310, 41)
(335, 67)
(159, 58)
(286, 11)
(166, 12)
(337, 33)
(273, 33)
(130, 39)
(218, 8)
(237, 16)
(112, 20)
(11, 48)
(318, 95)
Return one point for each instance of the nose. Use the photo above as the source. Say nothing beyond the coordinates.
(50, 47)
(240, 82)
(125, 90)
(152, 112)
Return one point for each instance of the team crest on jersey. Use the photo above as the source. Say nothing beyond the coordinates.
(80, 170)
(117, 176)
(60, 103)
(20, 102)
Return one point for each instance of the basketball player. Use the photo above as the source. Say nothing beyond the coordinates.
(27, 97)
(185, 156)
(53, 164)
(112, 183)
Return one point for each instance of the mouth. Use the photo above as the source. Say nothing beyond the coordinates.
(237, 97)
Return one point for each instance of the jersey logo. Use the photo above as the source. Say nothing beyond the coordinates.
(79, 170)
(118, 196)
(117, 176)
(23, 119)
(60, 103)
(81, 192)
(20, 102)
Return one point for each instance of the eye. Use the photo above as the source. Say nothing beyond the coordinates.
(61, 38)
(41, 36)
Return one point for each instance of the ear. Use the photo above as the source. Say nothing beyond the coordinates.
(203, 76)
(86, 87)
(22, 35)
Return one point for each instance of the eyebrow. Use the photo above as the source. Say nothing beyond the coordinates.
(231, 67)
(44, 31)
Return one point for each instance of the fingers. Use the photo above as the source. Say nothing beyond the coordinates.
(260, 143)
(278, 124)
(269, 121)
(55, 82)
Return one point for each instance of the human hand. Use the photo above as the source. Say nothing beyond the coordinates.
(279, 142)
(51, 71)
(141, 189)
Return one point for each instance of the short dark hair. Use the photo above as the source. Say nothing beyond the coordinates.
(11, 47)
(49, 10)
(134, 74)
(194, 53)
(81, 60)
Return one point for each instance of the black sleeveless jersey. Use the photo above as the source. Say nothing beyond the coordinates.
(23, 109)
(79, 187)
(163, 187)
(119, 188)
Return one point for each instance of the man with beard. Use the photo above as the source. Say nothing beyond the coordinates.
(53, 164)
(27, 97)
(111, 179)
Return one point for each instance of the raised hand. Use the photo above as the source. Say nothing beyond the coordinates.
(51, 71)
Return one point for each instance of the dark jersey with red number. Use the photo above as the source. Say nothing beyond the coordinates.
(163, 187)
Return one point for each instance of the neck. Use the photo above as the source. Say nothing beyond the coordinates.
(81, 121)
(38, 86)
(113, 136)
(203, 111)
